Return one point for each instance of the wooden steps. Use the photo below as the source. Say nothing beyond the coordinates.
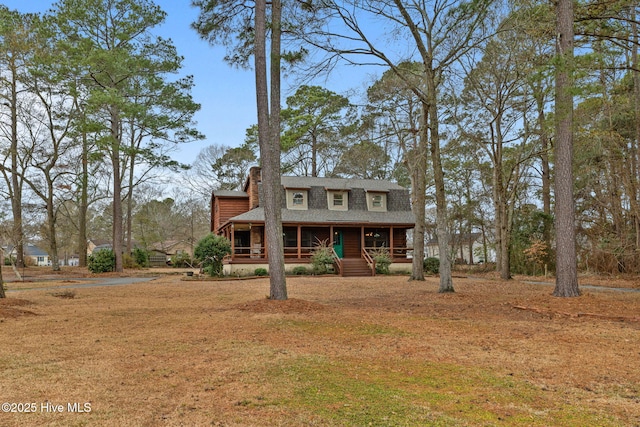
(355, 267)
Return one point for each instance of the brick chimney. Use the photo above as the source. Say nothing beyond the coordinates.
(255, 176)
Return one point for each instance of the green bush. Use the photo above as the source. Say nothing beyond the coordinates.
(261, 272)
(128, 261)
(102, 261)
(210, 251)
(141, 257)
(431, 265)
(321, 257)
(383, 260)
(299, 270)
(181, 260)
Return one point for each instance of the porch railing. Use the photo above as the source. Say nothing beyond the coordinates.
(247, 252)
(398, 253)
(370, 261)
(337, 261)
(258, 252)
(292, 252)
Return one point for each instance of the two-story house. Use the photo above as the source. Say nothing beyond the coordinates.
(354, 216)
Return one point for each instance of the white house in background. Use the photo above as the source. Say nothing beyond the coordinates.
(33, 255)
(466, 248)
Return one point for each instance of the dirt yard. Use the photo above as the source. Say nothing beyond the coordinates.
(371, 351)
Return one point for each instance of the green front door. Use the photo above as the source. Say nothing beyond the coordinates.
(338, 244)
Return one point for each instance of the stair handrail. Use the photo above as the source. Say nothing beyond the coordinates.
(337, 261)
(370, 261)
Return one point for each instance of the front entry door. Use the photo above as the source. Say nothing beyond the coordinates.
(338, 244)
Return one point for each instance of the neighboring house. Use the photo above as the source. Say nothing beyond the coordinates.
(354, 216)
(96, 245)
(466, 248)
(33, 255)
(72, 261)
(161, 252)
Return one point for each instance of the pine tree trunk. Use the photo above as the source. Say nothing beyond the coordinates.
(566, 259)
(636, 102)
(277, 276)
(16, 185)
(83, 205)
(268, 135)
(117, 190)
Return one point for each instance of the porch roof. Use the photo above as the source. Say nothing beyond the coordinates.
(319, 216)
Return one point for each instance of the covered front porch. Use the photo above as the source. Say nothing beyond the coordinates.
(248, 243)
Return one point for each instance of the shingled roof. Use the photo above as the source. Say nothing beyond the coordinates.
(339, 183)
(398, 202)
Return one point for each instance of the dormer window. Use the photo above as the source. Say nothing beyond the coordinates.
(297, 199)
(377, 201)
(337, 200)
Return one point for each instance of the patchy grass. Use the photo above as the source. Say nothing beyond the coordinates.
(377, 351)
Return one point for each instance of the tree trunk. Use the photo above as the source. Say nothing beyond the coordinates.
(53, 241)
(418, 168)
(545, 147)
(16, 185)
(117, 190)
(53, 246)
(277, 276)
(314, 155)
(636, 102)
(446, 283)
(83, 206)
(2, 293)
(566, 259)
(117, 215)
(505, 266)
(497, 180)
(269, 131)
(129, 218)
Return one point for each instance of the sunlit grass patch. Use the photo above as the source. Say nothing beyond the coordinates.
(356, 393)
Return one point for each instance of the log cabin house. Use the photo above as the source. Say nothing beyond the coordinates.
(354, 216)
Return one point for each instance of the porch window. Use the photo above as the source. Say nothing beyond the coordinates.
(376, 238)
(290, 240)
(290, 237)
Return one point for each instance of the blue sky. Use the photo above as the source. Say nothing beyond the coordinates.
(226, 94)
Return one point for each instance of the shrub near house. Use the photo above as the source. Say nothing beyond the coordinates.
(101, 261)
(210, 251)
